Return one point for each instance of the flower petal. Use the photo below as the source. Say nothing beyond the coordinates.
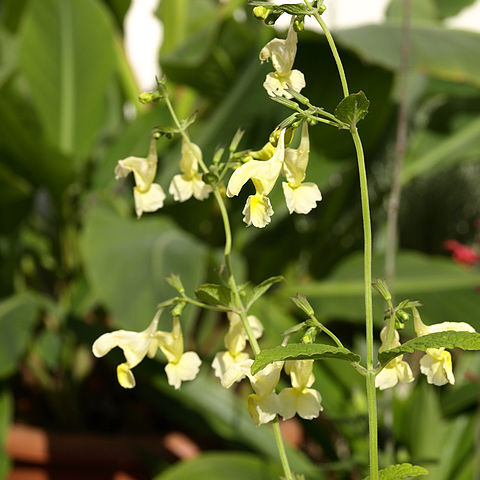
(262, 409)
(125, 376)
(309, 404)
(257, 211)
(185, 369)
(302, 198)
(150, 200)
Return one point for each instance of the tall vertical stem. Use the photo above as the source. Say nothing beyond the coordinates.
(400, 147)
(367, 231)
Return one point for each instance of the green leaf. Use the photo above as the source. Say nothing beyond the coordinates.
(68, 58)
(353, 108)
(445, 152)
(449, 339)
(400, 472)
(292, 8)
(262, 288)
(18, 315)
(221, 465)
(128, 260)
(214, 294)
(435, 50)
(301, 351)
(446, 290)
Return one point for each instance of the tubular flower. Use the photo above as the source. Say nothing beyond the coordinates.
(263, 174)
(394, 371)
(282, 53)
(299, 399)
(135, 346)
(437, 363)
(234, 364)
(300, 197)
(181, 366)
(263, 404)
(148, 196)
(189, 182)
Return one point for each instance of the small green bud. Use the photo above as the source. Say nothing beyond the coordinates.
(178, 309)
(176, 283)
(261, 12)
(299, 23)
(311, 121)
(302, 303)
(236, 140)
(148, 97)
(210, 178)
(310, 335)
(218, 156)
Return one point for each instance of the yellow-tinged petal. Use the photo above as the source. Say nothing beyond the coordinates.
(302, 198)
(135, 345)
(262, 409)
(281, 52)
(306, 402)
(277, 85)
(265, 381)
(396, 370)
(257, 211)
(231, 368)
(300, 372)
(264, 174)
(437, 366)
(125, 376)
(185, 369)
(189, 161)
(149, 200)
(422, 329)
(171, 343)
(143, 169)
(296, 159)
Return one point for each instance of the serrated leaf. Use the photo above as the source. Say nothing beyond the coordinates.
(261, 288)
(301, 351)
(450, 339)
(352, 108)
(292, 9)
(214, 294)
(400, 472)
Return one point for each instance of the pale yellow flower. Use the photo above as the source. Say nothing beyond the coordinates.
(300, 197)
(234, 364)
(396, 370)
(300, 399)
(189, 182)
(181, 366)
(135, 346)
(282, 53)
(263, 174)
(437, 363)
(148, 196)
(263, 404)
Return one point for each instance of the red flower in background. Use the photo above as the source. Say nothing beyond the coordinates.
(462, 253)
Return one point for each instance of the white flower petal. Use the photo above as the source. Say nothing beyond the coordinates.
(287, 403)
(223, 361)
(309, 404)
(437, 366)
(262, 409)
(265, 381)
(189, 161)
(199, 188)
(302, 198)
(125, 376)
(185, 369)
(282, 52)
(257, 211)
(150, 200)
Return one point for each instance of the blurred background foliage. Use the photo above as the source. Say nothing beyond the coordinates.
(75, 261)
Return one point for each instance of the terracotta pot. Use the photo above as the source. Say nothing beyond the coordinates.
(41, 455)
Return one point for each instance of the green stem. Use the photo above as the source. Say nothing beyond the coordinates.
(281, 449)
(371, 392)
(336, 56)
(324, 329)
(206, 306)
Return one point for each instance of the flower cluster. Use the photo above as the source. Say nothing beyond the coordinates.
(282, 53)
(436, 364)
(300, 197)
(181, 366)
(149, 196)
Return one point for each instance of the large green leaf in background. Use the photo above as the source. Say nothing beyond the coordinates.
(127, 261)
(67, 55)
(222, 465)
(446, 290)
(448, 54)
(17, 318)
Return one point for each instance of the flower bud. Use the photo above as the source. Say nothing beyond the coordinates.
(261, 13)
(299, 23)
